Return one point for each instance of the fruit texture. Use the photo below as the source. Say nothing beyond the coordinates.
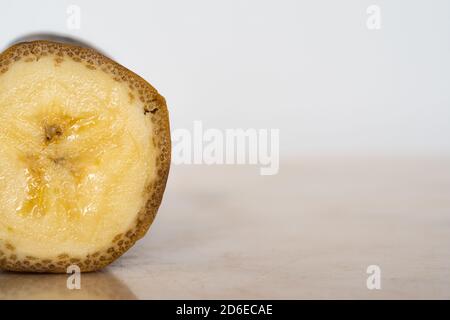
(84, 157)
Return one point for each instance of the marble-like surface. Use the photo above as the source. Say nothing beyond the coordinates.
(308, 232)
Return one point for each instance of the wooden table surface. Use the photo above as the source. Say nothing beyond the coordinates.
(308, 232)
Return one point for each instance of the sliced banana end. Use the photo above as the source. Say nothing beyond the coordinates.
(84, 157)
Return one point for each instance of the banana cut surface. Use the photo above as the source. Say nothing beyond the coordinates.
(84, 157)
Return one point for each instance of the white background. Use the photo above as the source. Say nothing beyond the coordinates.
(310, 68)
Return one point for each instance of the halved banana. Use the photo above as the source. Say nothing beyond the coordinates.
(84, 157)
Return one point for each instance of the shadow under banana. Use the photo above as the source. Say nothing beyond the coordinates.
(94, 286)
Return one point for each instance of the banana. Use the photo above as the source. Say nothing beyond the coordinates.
(84, 157)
